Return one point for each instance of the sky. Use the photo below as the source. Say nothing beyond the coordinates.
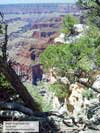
(35, 1)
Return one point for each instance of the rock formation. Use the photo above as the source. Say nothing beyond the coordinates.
(78, 32)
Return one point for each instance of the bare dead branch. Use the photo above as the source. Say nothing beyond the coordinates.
(88, 85)
(16, 107)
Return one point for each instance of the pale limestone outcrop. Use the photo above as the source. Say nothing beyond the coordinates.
(53, 77)
(79, 28)
(84, 80)
(58, 106)
(64, 80)
(76, 101)
(56, 103)
(60, 38)
(96, 83)
(78, 32)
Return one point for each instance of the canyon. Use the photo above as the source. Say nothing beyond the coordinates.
(31, 28)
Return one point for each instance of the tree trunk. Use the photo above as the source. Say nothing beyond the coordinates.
(13, 78)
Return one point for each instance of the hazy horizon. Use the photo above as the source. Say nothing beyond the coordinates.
(3, 2)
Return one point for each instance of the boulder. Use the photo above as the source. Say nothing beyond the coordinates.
(75, 104)
(64, 80)
(72, 38)
(96, 83)
(84, 80)
(60, 38)
(79, 28)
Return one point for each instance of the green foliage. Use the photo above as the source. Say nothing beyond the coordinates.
(93, 12)
(56, 56)
(94, 35)
(6, 86)
(83, 54)
(46, 106)
(87, 3)
(70, 56)
(1, 31)
(59, 89)
(68, 22)
(66, 57)
(85, 64)
(88, 93)
(34, 91)
(98, 56)
(3, 82)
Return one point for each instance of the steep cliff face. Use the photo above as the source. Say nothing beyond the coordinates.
(36, 34)
(25, 52)
(40, 34)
